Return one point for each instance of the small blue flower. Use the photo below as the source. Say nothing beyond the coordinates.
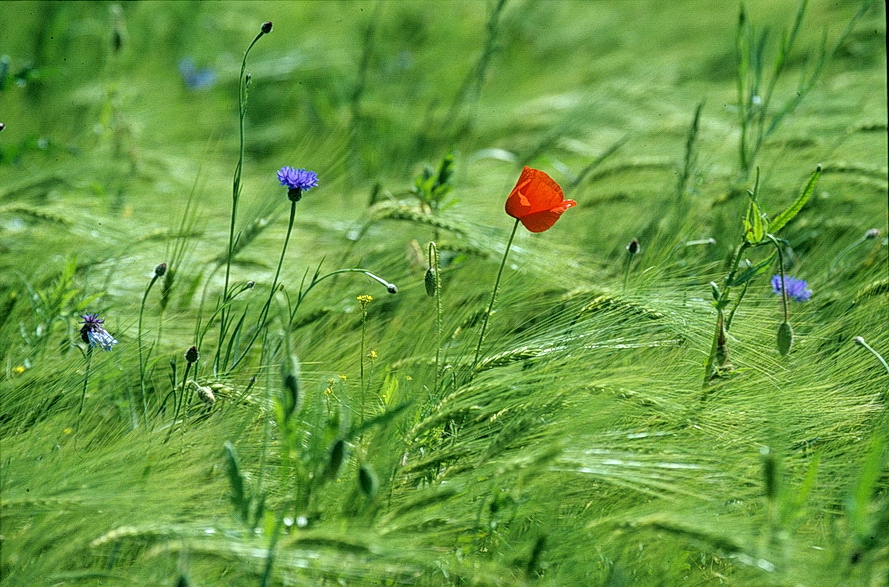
(297, 181)
(194, 78)
(796, 288)
(94, 334)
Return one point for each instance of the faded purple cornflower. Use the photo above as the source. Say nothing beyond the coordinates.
(94, 334)
(297, 181)
(796, 288)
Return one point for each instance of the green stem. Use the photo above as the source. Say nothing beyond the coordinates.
(781, 271)
(139, 346)
(435, 263)
(86, 382)
(361, 362)
(236, 189)
(265, 309)
(481, 338)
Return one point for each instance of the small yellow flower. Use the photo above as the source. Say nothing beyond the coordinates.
(68, 430)
(18, 369)
(365, 299)
(372, 355)
(343, 377)
(408, 378)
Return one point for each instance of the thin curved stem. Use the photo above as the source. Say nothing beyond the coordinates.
(481, 338)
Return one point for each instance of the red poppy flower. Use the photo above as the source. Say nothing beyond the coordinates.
(537, 200)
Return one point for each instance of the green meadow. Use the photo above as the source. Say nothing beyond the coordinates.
(209, 378)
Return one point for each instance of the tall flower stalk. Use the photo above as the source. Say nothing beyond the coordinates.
(243, 86)
(159, 272)
(537, 202)
(94, 335)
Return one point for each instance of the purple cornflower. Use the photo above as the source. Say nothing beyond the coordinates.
(297, 181)
(796, 288)
(94, 334)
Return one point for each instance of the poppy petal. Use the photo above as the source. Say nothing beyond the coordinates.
(535, 191)
(544, 220)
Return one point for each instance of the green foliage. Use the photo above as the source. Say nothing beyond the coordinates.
(574, 444)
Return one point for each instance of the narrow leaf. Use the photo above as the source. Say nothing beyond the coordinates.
(236, 479)
(787, 215)
(753, 271)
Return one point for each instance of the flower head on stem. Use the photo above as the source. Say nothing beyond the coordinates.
(93, 333)
(297, 181)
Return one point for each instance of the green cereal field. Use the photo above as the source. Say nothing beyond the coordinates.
(563, 293)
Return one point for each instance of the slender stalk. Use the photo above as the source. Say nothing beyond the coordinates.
(435, 265)
(236, 190)
(86, 382)
(263, 315)
(481, 337)
(180, 401)
(139, 345)
(719, 334)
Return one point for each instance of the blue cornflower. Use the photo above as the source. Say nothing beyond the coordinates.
(94, 334)
(297, 181)
(194, 78)
(796, 288)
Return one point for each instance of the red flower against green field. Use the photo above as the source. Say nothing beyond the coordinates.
(537, 200)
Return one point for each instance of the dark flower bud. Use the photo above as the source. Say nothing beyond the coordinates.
(290, 370)
(633, 248)
(785, 338)
(770, 473)
(430, 282)
(337, 458)
(250, 284)
(160, 269)
(191, 355)
(367, 481)
(872, 233)
(2, 126)
(266, 27)
(391, 288)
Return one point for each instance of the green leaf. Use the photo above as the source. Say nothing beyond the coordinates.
(858, 500)
(753, 271)
(236, 480)
(787, 215)
(755, 224)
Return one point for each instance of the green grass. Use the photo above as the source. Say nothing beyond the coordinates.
(584, 449)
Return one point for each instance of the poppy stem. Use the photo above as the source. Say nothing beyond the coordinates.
(481, 338)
